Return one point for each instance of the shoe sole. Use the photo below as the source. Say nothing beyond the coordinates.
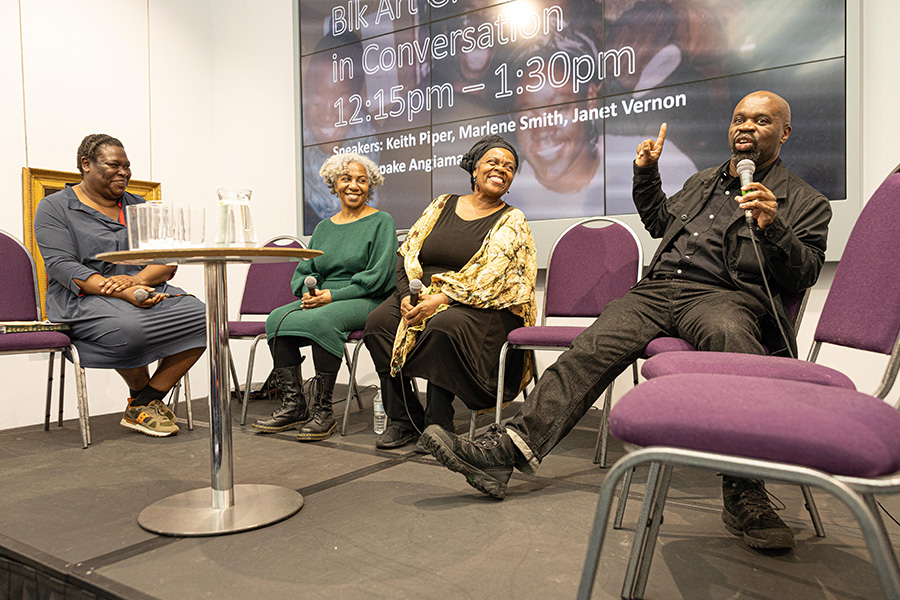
(265, 429)
(316, 437)
(475, 477)
(138, 427)
(777, 539)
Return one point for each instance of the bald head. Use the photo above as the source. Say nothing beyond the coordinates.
(761, 123)
(779, 104)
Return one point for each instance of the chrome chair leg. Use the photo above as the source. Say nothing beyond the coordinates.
(50, 393)
(652, 534)
(62, 388)
(84, 417)
(246, 401)
(813, 511)
(234, 375)
(173, 402)
(187, 401)
(641, 530)
(351, 388)
(353, 379)
(598, 531)
(623, 496)
(601, 447)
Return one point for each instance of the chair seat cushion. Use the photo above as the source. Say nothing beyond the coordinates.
(839, 431)
(724, 363)
(667, 344)
(246, 328)
(547, 335)
(355, 335)
(33, 340)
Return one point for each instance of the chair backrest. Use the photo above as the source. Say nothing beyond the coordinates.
(862, 309)
(268, 285)
(18, 282)
(795, 305)
(591, 263)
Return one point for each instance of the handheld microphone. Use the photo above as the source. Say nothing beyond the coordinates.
(140, 294)
(745, 169)
(310, 282)
(415, 286)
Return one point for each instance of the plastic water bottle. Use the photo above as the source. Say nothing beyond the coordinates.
(379, 421)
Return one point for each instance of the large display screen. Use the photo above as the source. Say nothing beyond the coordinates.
(575, 85)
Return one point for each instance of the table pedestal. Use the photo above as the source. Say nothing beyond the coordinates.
(223, 507)
(191, 513)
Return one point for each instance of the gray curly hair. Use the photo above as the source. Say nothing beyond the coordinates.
(338, 164)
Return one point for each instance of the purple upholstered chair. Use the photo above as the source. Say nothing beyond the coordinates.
(862, 310)
(267, 287)
(19, 301)
(842, 441)
(588, 267)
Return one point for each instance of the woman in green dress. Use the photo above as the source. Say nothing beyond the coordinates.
(354, 274)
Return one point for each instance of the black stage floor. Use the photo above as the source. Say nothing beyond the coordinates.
(377, 524)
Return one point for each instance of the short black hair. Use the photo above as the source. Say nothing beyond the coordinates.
(90, 147)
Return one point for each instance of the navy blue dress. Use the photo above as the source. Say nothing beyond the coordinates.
(109, 332)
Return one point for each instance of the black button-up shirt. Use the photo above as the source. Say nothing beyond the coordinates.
(696, 254)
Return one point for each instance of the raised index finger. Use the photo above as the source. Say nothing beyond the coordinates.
(662, 135)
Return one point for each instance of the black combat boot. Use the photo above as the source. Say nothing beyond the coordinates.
(293, 411)
(749, 513)
(321, 423)
(487, 462)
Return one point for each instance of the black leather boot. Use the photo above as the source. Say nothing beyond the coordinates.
(293, 411)
(321, 423)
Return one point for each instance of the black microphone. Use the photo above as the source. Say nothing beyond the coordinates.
(310, 282)
(745, 169)
(141, 294)
(415, 286)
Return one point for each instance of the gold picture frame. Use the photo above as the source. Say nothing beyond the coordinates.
(38, 183)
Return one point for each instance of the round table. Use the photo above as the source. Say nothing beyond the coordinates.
(223, 507)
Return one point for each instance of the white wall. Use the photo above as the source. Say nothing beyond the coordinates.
(202, 94)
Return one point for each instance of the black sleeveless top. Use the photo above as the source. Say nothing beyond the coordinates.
(453, 241)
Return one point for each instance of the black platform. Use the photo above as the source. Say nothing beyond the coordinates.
(377, 524)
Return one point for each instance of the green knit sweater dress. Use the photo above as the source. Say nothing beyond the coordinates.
(357, 266)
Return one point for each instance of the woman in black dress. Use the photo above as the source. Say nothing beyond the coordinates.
(476, 258)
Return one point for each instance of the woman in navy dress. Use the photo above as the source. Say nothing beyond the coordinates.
(110, 327)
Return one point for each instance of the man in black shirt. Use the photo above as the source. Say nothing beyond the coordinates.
(703, 285)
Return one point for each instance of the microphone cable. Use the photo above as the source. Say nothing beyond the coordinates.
(762, 272)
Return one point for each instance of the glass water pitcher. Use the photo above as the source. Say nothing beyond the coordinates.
(235, 224)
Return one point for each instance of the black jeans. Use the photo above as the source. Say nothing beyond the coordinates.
(709, 317)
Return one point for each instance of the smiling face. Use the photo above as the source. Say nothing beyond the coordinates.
(759, 126)
(494, 172)
(564, 157)
(109, 174)
(353, 187)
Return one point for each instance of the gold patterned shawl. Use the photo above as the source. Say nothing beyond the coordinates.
(500, 275)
